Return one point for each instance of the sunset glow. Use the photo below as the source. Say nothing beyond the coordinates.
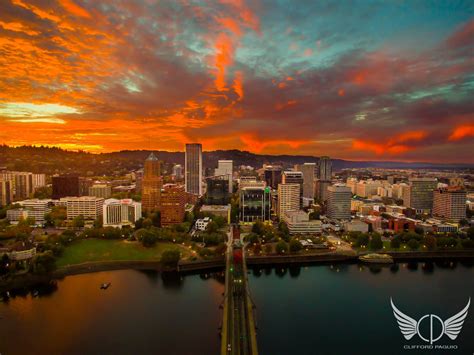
(268, 77)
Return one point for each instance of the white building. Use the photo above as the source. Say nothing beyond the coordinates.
(37, 208)
(299, 223)
(117, 213)
(225, 167)
(201, 224)
(356, 226)
(339, 202)
(88, 206)
(15, 215)
(288, 198)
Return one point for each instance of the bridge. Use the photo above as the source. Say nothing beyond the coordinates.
(238, 325)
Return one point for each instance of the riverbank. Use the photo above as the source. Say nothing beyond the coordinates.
(25, 280)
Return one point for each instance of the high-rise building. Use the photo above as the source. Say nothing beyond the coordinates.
(217, 191)
(173, 204)
(225, 167)
(65, 186)
(151, 184)
(193, 168)
(6, 191)
(254, 201)
(339, 202)
(308, 171)
(138, 180)
(288, 198)
(23, 186)
(119, 213)
(450, 203)
(324, 171)
(321, 188)
(421, 193)
(177, 171)
(294, 177)
(88, 206)
(39, 180)
(100, 190)
(273, 175)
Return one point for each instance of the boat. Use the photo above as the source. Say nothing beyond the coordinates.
(105, 286)
(376, 258)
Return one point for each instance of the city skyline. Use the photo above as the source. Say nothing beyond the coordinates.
(311, 79)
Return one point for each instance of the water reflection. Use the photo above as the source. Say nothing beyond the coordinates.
(39, 290)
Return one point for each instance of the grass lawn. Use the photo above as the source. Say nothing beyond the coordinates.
(86, 250)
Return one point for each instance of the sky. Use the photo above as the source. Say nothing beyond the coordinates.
(359, 80)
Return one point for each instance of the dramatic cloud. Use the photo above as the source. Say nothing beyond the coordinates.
(272, 77)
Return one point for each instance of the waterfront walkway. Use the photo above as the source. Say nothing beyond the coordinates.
(238, 325)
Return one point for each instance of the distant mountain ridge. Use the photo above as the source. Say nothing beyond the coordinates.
(55, 160)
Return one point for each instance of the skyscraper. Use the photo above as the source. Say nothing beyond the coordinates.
(65, 186)
(450, 203)
(421, 193)
(193, 168)
(308, 170)
(324, 172)
(288, 198)
(272, 175)
(151, 184)
(294, 177)
(173, 204)
(217, 192)
(6, 191)
(225, 167)
(254, 201)
(339, 202)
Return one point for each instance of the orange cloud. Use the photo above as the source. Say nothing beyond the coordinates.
(461, 132)
(392, 146)
(74, 9)
(257, 144)
(341, 92)
(224, 58)
(238, 85)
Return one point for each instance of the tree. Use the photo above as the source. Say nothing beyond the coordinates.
(98, 222)
(413, 244)
(470, 233)
(395, 243)
(156, 219)
(295, 245)
(43, 263)
(149, 239)
(78, 222)
(283, 227)
(430, 242)
(212, 227)
(43, 192)
(362, 240)
(253, 238)
(170, 258)
(258, 228)
(281, 247)
(376, 242)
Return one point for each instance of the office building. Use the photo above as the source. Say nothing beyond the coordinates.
(37, 209)
(339, 202)
(288, 198)
(294, 177)
(100, 190)
(217, 190)
(151, 184)
(6, 191)
(173, 204)
(177, 172)
(88, 206)
(308, 171)
(450, 203)
(39, 180)
(272, 175)
(324, 169)
(193, 168)
(254, 201)
(138, 180)
(65, 186)
(298, 222)
(322, 190)
(119, 213)
(225, 168)
(421, 194)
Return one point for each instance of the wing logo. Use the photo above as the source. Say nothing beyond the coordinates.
(450, 327)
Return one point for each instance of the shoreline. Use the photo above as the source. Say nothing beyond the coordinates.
(186, 267)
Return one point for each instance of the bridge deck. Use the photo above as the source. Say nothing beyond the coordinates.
(238, 326)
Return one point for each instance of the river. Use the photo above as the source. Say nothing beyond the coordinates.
(324, 309)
